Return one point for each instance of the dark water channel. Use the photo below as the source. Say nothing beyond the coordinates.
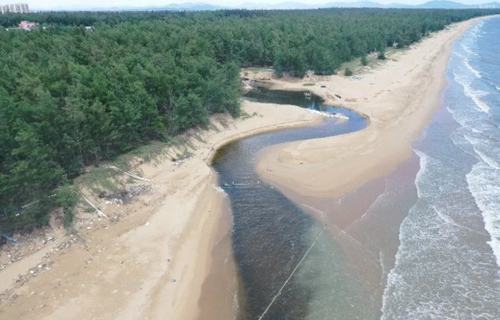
(270, 233)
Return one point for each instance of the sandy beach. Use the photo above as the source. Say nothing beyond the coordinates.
(153, 263)
(399, 98)
(162, 259)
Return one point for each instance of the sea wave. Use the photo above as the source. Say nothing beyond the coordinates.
(484, 184)
(437, 255)
(472, 69)
(447, 263)
(424, 163)
(476, 146)
(468, 50)
(474, 95)
(395, 279)
(476, 31)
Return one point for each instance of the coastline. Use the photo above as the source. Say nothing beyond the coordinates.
(399, 98)
(164, 245)
(164, 249)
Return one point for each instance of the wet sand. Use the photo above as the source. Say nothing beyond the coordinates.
(161, 258)
(399, 98)
(342, 181)
(270, 233)
(167, 255)
(219, 297)
(364, 225)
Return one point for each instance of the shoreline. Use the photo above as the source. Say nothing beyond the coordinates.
(392, 96)
(319, 175)
(164, 248)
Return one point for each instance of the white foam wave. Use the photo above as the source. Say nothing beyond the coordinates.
(424, 162)
(433, 245)
(458, 54)
(394, 279)
(484, 184)
(447, 219)
(468, 50)
(474, 95)
(476, 30)
(459, 116)
(485, 158)
(435, 237)
(476, 73)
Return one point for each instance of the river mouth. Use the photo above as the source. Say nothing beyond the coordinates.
(270, 233)
(311, 258)
(416, 248)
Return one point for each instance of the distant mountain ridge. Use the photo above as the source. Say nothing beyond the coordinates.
(436, 4)
(201, 6)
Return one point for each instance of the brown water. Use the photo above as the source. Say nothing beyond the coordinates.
(344, 267)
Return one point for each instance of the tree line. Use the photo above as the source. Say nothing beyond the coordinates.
(72, 96)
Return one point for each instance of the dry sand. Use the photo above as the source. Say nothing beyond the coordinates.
(399, 98)
(158, 261)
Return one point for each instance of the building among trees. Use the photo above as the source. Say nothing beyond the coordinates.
(70, 99)
(27, 25)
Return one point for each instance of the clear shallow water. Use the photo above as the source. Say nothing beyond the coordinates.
(270, 233)
(448, 262)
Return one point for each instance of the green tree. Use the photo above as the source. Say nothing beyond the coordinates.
(66, 198)
(72, 97)
(364, 60)
(381, 55)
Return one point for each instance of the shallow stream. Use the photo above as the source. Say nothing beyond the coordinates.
(271, 234)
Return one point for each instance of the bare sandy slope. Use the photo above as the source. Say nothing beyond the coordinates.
(398, 97)
(153, 263)
(156, 261)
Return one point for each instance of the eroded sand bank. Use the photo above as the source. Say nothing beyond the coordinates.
(156, 262)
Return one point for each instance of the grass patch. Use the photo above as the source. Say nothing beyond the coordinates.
(147, 152)
(99, 179)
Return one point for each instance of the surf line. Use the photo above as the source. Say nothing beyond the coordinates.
(292, 273)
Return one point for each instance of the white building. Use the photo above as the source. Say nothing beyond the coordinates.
(14, 8)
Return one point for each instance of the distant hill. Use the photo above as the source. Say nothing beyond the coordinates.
(457, 5)
(442, 5)
(490, 5)
(436, 4)
(358, 4)
(189, 7)
(287, 5)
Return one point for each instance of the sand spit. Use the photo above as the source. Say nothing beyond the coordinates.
(156, 261)
(399, 98)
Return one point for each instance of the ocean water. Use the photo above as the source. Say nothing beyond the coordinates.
(426, 247)
(448, 262)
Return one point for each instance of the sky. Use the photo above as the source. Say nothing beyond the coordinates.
(79, 4)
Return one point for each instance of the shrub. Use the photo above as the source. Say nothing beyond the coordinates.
(66, 197)
(364, 60)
